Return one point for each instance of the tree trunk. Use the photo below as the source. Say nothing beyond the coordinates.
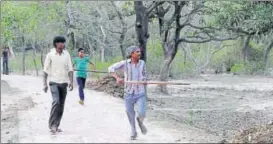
(246, 48)
(122, 48)
(102, 45)
(102, 54)
(69, 25)
(124, 30)
(141, 27)
(11, 49)
(169, 54)
(23, 56)
(169, 46)
(34, 61)
(266, 54)
(92, 51)
(163, 76)
(121, 40)
(42, 59)
(185, 57)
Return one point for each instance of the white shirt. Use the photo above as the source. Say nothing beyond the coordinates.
(57, 66)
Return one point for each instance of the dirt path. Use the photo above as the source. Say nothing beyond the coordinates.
(206, 111)
(12, 101)
(102, 119)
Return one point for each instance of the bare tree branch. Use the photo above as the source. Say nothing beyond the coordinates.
(131, 26)
(154, 5)
(205, 40)
(202, 28)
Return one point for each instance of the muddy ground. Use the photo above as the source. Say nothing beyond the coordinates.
(217, 106)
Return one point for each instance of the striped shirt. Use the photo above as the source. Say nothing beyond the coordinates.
(132, 72)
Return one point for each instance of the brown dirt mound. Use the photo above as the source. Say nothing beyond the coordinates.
(108, 85)
(260, 134)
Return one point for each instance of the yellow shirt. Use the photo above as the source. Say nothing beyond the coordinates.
(57, 66)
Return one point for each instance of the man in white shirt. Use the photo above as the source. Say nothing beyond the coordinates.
(58, 67)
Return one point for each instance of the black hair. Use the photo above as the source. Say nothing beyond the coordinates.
(80, 49)
(58, 39)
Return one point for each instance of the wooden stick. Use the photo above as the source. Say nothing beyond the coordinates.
(140, 82)
(156, 82)
(95, 71)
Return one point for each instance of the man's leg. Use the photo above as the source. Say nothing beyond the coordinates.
(141, 104)
(80, 87)
(63, 92)
(4, 66)
(7, 66)
(55, 106)
(129, 104)
(83, 86)
(83, 82)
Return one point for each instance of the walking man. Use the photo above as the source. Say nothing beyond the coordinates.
(134, 70)
(58, 66)
(6, 53)
(81, 65)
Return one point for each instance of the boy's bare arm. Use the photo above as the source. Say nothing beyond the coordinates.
(93, 65)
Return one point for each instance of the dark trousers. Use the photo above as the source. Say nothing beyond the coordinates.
(81, 84)
(5, 66)
(58, 91)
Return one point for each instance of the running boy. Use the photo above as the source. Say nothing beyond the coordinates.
(81, 63)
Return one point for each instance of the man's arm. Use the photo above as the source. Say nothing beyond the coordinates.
(46, 71)
(93, 65)
(112, 69)
(74, 63)
(70, 71)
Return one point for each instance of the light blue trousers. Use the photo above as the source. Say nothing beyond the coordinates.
(130, 101)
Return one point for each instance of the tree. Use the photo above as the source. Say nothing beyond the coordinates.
(252, 19)
(174, 30)
(124, 28)
(142, 22)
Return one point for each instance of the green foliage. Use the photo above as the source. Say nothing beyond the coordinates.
(128, 7)
(246, 16)
(15, 64)
(237, 68)
(31, 19)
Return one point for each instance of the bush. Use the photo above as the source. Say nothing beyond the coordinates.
(237, 68)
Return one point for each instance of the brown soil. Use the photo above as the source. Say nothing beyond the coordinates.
(106, 84)
(260, 134)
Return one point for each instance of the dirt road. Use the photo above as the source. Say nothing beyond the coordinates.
(102, 119)
(206, 111)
